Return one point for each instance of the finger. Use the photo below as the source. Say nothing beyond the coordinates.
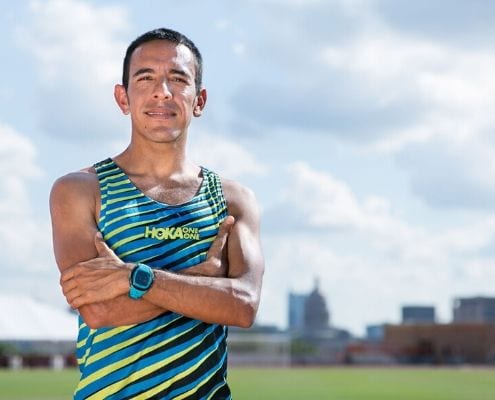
(66, 275)
(77, 301)
(101, 246)
(227, 224)
(68, 286)
(224, 230)
(72, 272)
(70, 295)
(222, 235)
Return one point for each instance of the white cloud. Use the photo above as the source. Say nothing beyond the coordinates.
(17, 167)
(21, 233)
(455, 86)
(228, 158)
(335, 205)
(450, 91)
(78, 48)
(332, 202)
(75, 41)
(17, 154)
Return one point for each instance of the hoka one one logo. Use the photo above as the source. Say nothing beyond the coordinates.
(171, 233)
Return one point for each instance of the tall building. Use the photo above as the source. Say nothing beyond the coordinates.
(308, 312)
(418, 315)
(316, 315)
(474, 310)
(296, 311)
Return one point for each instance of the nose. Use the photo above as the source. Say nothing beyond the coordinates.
(162, 91)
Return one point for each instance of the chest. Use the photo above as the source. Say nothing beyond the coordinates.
(169, 191)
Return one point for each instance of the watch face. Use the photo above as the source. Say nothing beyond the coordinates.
(142, 279)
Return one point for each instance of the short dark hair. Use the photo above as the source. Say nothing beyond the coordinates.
(171, 36)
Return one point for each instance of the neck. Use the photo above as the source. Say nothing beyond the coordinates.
(156, 159)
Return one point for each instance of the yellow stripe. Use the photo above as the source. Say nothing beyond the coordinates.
(123, 207)
(100, 374)
(116, 200)
(112, 332)
(82, 360)
(195, 389)
(99, 338)
(112, 176)
(168, 383)
(125, 227)
(116, 245)
(112, 192)
(82, 342)
(121, 345)
(118, 183)
(216, 390)
(110, 368)
(124, 216)
(193, 244)
(125, 254)
(138, 213)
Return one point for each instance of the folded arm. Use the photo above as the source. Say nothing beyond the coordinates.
(98, 287)
(74, 208)
(232, 300)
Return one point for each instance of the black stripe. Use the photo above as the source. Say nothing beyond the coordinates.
(209, 363)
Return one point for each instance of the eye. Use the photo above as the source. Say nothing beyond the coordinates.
(145, 78)
(179, 79)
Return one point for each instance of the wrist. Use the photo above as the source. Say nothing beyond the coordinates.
(141, 280)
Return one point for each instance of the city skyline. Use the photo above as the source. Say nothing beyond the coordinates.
(463, 309)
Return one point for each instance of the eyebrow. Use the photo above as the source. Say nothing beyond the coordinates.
(141, 71)
(179, 72)
(148, 70)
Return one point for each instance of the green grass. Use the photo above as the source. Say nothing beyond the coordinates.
(364, 383)
(37, 384)
(297, 384)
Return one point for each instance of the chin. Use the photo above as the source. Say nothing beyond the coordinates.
(161, 137)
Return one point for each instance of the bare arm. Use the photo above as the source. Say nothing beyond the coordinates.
(231, 300)
(74, 201)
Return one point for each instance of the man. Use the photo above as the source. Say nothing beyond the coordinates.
(146, 250)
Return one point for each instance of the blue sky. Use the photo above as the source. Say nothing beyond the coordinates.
(364, 127)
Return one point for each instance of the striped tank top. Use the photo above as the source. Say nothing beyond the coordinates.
(170, 356)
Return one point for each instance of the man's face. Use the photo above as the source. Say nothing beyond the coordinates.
(161, 96)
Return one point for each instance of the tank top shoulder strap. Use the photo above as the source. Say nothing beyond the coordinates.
(215, 192)
(108, 174)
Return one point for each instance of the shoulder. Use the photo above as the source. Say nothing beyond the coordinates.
(240, 199)
(80, 185)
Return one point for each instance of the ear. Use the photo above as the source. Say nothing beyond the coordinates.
(120, 95)
(200, 103)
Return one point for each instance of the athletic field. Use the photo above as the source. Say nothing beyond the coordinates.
(298, 384)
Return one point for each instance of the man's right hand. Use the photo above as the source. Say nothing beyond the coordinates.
(216, 263)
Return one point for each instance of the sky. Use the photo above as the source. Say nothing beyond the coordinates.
(365, 128)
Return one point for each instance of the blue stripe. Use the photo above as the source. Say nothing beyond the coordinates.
(157, 380)
(128, 370)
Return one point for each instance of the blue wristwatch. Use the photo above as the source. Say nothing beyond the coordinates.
(141, 280)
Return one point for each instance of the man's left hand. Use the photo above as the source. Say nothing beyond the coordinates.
(99, 279)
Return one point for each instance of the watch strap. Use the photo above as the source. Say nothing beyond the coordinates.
(138, 292)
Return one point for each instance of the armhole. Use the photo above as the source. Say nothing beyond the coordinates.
(216, 189)
(101, 205)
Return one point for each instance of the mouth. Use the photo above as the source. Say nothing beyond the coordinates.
(161, 113)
